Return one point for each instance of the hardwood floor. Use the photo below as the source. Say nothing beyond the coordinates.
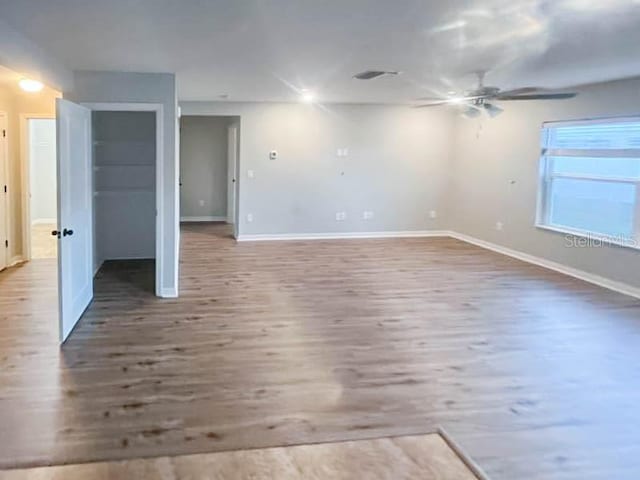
(536, 374)
(425, 457)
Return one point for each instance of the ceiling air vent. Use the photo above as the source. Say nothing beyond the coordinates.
(371, 74)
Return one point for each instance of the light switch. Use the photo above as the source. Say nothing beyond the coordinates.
(250, 173)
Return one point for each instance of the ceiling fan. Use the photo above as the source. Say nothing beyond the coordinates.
(478, 100)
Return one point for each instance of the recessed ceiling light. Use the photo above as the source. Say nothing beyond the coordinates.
(307, 96)
(29, 85)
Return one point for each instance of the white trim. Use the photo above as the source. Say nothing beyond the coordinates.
(591, 121)
(217, 218)
(97, 268)
(158, 108)
(592, 152)
(341, 235)
(232, 161)
(25, 175)
(169, 293)
(542, 262)
(8, 224)
(595, 178)
(43, 221)
(15, 260)
(596, 237)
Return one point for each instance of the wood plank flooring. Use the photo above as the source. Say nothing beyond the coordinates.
(536, 374)
(425, 457)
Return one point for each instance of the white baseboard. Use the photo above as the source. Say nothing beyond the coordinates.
(42, 221)
(558, 267)
(98, 267)
(15, 260)
(220, 218)
(169, 292)
(340, 235)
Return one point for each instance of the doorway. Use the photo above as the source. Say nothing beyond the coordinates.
(110, 190)
(41, 187)
(209, 152)
(4, 198)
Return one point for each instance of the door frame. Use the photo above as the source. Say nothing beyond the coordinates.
(232, 164)
(25, 175)
(160, 164)
(7, 181)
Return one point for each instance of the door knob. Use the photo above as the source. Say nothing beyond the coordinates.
(66, 232)
(56, 233)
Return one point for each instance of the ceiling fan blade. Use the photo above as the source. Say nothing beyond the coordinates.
(537, 96)
(450, 101)
(429, 99)
(521, 91)
(432, 104)
(371, 74)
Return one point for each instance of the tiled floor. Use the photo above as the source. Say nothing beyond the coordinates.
(43, 244)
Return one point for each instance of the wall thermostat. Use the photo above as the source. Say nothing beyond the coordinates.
(273, 155)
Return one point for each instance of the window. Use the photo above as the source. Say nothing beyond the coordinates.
(590, 179)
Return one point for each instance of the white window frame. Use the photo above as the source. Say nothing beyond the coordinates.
(546, 177)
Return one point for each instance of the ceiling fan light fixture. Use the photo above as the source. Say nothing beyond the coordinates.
(371, 74)
(492, 110)
(471, 112)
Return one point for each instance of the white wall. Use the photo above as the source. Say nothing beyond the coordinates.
(118, 87)
(43, 176)
(495, 179)
(396, 166)
(203, 167)
(124, 157)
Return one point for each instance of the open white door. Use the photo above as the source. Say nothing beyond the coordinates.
(4, 199)
(232, 152)
(75, 216)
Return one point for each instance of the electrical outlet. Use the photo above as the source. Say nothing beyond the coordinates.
(249, 217)
(201, 202)
(499, 226)
(250, 173)
(341, 216)
(433, 214)
(367, 215)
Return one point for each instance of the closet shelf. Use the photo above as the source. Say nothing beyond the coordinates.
(128, 165)
(100, 143)
(123, 191)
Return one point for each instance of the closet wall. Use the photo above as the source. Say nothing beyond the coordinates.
(124, 185)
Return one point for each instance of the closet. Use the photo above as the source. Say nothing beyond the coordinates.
(124, 165)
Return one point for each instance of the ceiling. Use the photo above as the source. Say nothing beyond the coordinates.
(267, 50)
